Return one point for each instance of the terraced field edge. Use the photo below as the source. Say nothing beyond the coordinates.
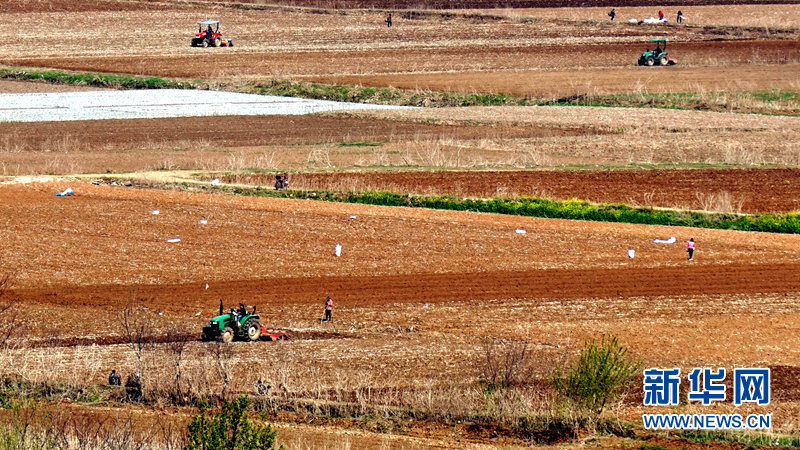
(575, 209)
(774, 102)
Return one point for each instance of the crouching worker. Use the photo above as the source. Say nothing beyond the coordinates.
(114, 379)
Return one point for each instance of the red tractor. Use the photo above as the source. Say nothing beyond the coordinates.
(208, 35)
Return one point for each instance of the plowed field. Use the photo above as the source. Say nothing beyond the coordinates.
(415, 291)
(430, 51)
(751, 190)
(566, 83)
(413, 288)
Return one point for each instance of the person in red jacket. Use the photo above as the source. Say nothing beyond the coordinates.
(328, 310)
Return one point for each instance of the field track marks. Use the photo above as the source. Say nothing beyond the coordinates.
(685, 279)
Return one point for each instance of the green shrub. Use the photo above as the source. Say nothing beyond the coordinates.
(229, 429)
(600, 373)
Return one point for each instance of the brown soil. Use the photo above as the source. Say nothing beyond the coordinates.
(477, 4)
(374, 291)
(778, 15)
(31, 6)
(758, 190)
(18, 87)
(415, 290)
(238, 131)
(568, 83)
(401, 66)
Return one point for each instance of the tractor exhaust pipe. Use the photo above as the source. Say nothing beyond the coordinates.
(220, 307)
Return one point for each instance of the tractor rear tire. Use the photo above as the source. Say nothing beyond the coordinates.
(663, 60)
(651, 61)
(227, 335)
(251, 330)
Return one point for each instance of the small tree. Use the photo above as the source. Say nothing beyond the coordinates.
(137, 324)
(505, 364)
(601, 372)
(223, 357)
(229, 429)
(175, 347)
(8, 312)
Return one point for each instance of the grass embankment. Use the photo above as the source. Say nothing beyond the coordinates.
(774, 101)
(536, 207)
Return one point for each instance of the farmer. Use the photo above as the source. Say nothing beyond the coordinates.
(690, 248)
(242, 310)
(612, 14)
(114, 379)
(680, 17)
(328, 309)
(661, 15)
(285, 180)
(389, 20)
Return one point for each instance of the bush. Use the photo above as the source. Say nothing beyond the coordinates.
(601, 372)
(229, 429)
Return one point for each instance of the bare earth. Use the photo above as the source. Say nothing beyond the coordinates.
(749, 190)
(434, 51)
(78, 255)
(415, 290)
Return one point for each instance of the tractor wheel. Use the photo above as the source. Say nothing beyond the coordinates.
(651, 61)
(216, 42)
(252, 329)
(227, 335)
(205, 43)
(663, 60)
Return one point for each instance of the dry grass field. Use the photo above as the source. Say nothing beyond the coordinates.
(764, 16)
(438, 50)
(441, 138)
(425, 300)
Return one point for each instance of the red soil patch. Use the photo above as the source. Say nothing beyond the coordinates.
(758, 190)
(373, 291)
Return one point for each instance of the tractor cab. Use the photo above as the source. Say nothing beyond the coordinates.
(208, 35)
(658, 56)
(236, 324)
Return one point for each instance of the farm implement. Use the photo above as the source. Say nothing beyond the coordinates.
(239, 325)
(658, 56)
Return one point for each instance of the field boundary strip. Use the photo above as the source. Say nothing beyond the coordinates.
(574, 209)
(768, 102)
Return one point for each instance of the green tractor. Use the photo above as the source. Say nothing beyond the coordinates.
(658, 56)
(235, 325)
